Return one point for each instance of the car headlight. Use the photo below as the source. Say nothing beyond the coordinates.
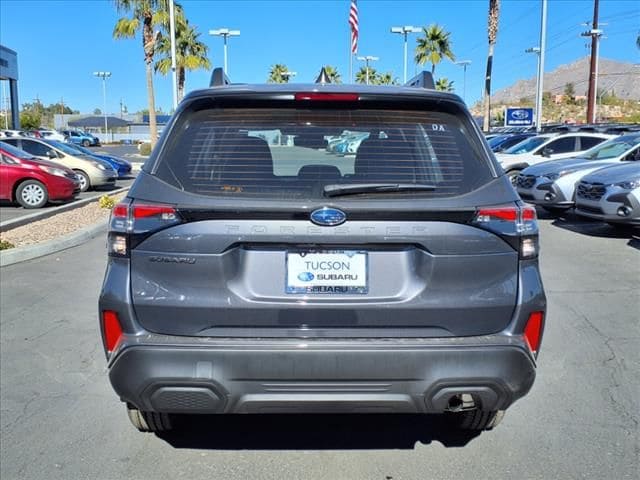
(629, 184)
(52, 170)
(99, 165)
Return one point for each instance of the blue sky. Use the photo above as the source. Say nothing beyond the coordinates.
(61, 42)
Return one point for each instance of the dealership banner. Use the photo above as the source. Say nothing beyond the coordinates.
(518, 117)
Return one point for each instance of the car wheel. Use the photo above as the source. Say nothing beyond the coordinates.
(149, 421)
(85, 182)
(32, 194)
(86, 143)
(478, 419)
(513, 175)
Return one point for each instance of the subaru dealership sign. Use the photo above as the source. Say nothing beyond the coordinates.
(518, 117)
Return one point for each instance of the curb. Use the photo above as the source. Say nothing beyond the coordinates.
(29, 252)
(32, 217)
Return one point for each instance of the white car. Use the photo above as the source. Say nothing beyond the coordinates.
(611, 195)
(552, 184)
(548, 146)
(52, 135)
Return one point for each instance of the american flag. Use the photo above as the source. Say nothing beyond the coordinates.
(353, 22)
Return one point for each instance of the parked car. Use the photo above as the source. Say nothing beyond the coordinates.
(119, 164)
(11, 133)
(80, 138)
(552, 184)
(545, 147)
(91, 171)
(52, 135)
(611, 195)
(248, 278)
(508, 140)
(32, 182)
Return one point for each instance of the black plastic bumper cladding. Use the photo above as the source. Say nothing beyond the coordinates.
(354, 377)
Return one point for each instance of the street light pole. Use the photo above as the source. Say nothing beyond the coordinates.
(104, 76)
(172, 32)
(288, 75)
(224, 33)
(464, 64)
(536, 50)
(367, 59)
(404, 31)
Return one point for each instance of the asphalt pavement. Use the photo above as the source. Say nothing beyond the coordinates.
(61, 420)
(10, 211)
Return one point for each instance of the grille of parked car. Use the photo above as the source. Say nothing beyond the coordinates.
(526, 181)
(591, 191)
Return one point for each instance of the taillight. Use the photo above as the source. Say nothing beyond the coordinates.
(515, 224)
(533, 331)
(327, 97)
(130, 223)
(112, 330)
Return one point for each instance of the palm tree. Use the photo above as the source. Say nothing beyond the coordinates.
(386, 79)
(638, 41)
(444, 85)
(434, 46)
(333, 74)
(144, 15)
(361, 75)
(278, 74)
(191, 53)
(494, 13)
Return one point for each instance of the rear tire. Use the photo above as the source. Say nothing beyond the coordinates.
(86, 143)
(32, 194)
(479, 420)
(149, 421)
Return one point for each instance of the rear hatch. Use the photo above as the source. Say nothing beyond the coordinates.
(245, 223)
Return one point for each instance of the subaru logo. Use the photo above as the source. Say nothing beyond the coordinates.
(305, 276)
(520, 114)
(328, 216)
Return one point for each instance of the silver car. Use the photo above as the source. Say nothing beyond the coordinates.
(611, 195)
(552, 184)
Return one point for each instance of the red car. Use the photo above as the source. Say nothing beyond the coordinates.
(33, 182)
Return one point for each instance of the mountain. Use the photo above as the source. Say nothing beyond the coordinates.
(619, 77)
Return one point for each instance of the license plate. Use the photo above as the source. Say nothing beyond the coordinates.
(332, 272)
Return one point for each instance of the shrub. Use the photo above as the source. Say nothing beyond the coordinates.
(5, 245)
(145, 149)
(106, 202)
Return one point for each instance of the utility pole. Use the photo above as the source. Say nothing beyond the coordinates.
(595, 35)
(540, 82)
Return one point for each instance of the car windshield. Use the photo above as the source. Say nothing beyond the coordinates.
(15, 151)
(613, 148)
(80, 149)
(526, 145)
(62, 146)
(495, 141)
(289, 153)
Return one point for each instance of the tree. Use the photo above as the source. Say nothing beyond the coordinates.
(333, 73)
(278, 74)
(30, 120)
(434, 46)
(386, 78)
(361, 75)
(569, 94)
(144, 16)
(492, 30)
(638, 41)
(97, 111)
(191, 53)
(444, 85)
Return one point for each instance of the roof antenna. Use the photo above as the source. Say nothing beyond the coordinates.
(323, 77)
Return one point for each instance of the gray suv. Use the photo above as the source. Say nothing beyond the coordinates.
(252, 270)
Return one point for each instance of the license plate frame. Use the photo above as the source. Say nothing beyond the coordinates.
(319, 286)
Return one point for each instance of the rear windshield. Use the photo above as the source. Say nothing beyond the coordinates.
(301, 153)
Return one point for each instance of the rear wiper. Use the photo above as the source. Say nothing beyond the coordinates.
(338, 189)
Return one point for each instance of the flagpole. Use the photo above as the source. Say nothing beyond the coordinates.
(350, 63)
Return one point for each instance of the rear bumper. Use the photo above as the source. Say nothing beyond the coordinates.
(182, 375)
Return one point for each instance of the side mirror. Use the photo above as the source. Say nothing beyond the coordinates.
(546, 152)
(52, 154)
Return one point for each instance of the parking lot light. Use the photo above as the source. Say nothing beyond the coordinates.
(404, 31)
(104, 76)
(367, 59)
(224, 33)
